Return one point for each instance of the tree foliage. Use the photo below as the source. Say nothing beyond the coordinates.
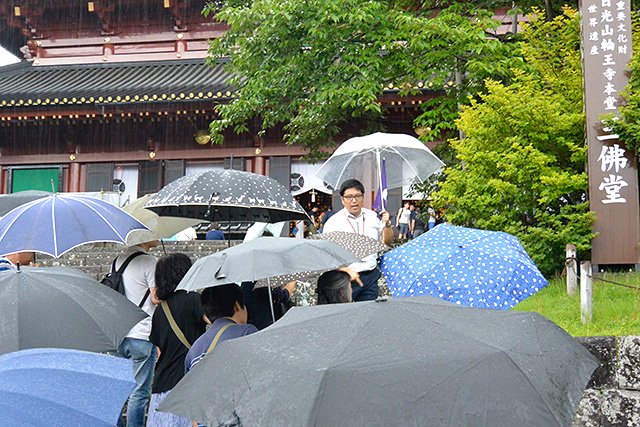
(523, 155)
(315, 65)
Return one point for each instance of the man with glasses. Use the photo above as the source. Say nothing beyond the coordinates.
(356, 219)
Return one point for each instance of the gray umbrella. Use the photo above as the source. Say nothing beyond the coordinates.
(62, 308)
(263, 258)
(9, 202)
(227, 195)
(358, 244)
(403, 362)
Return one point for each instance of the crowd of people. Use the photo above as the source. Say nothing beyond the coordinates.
(184, 326)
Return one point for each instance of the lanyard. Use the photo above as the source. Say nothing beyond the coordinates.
(355, 230)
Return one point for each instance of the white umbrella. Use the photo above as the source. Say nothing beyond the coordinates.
(160, 227)
(407, 160)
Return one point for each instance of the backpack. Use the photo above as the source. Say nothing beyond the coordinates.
(114, 278)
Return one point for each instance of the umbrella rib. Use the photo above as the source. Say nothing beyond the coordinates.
(405, 160)
(103, 218)
(19, 210)
(53, 224)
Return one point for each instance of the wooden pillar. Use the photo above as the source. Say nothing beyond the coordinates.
(74, 177)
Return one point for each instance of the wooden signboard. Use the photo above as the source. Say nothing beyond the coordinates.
(613, 175)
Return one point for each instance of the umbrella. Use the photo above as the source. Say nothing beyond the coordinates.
(61, 387)
(9, 202)
(358, 244)
(399, 362)
(160, 227)
(263, 258)
(407, 159)
(227, 195)
(477, 268)
(63, 308)
(58, 223)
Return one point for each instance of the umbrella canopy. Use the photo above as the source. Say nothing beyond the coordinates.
(263, 258)
(407, 160)
(58, 223)
(402, 362)
(9, 202)
(61, 387)
(160, 227)
(476, 268)
(227, 195)
(63, 308)
(358, 244)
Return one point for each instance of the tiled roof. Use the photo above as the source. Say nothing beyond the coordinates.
(24, 85)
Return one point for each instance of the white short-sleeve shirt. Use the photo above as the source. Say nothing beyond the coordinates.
(139, 275)
(367, 223)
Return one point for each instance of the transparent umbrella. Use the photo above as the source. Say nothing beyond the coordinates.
(407, 160)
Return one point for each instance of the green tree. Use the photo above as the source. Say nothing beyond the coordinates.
(522, 159)
(315, 65)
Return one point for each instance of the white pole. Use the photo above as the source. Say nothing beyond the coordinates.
(586, 292)
(571, 264)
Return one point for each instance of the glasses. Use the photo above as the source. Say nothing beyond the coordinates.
(351, 197)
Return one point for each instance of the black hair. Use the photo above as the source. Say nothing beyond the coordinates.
(219, 301)
(170, 270)
(351, 183)
(333, 287)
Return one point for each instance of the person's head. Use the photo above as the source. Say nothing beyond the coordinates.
(170, 270)
(22, 258)
(214, 226)
(412, 207)
(314, 209)
(406, 205)
(334, 287)
(224, 301)
(352, 196)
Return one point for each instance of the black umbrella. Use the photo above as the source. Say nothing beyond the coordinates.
(227, 195)
(9, 202)
(62, 308)
(403, 362)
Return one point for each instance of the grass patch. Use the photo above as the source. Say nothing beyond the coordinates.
(616, 309)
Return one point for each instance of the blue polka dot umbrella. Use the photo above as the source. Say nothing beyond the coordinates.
(475, 268)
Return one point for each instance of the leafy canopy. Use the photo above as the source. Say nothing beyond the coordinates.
(522, 160)
(317, 65)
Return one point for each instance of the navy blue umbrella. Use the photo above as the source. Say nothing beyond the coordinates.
(466, 266)
(61, 387)
(56, 224)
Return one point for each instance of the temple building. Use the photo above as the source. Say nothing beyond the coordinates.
(116, 95)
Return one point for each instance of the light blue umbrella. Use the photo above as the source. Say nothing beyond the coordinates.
(466, 266)
(56, 224)
(61, 387)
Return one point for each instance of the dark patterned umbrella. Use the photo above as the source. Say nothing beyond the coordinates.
(227, 195)
(358, 244)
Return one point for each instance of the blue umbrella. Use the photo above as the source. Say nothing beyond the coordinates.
(476, 268)
(56, 224)
(61, 387)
